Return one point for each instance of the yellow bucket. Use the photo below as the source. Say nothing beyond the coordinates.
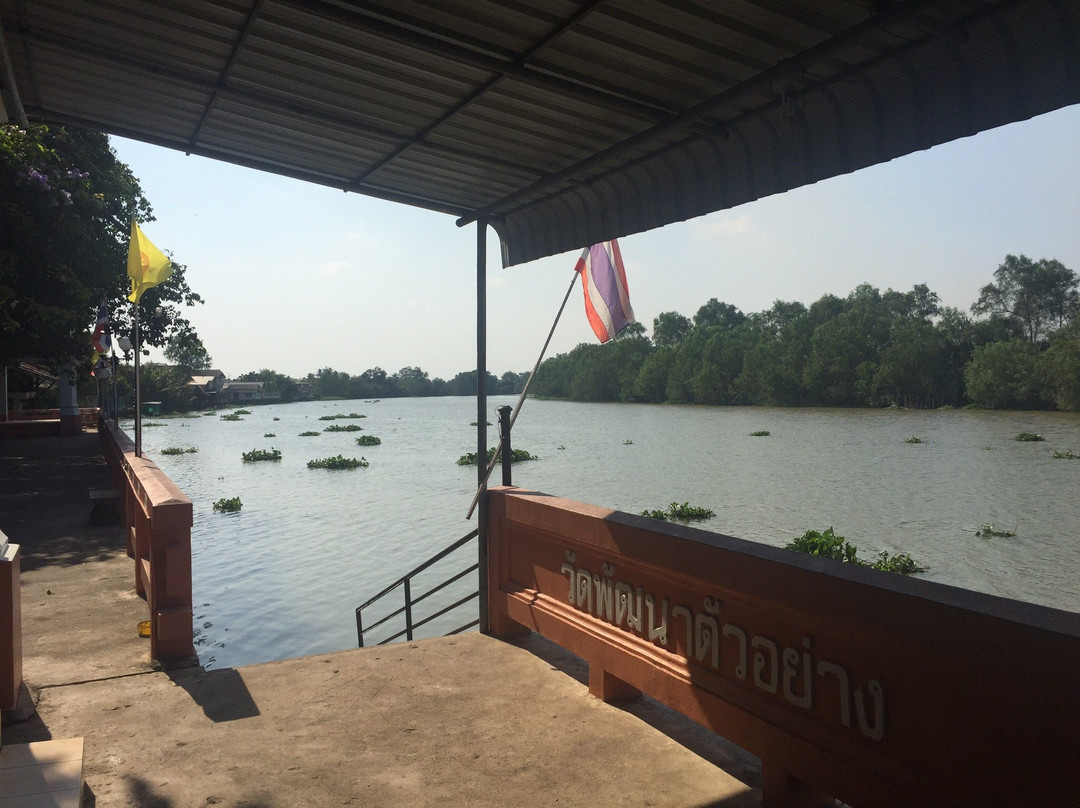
(144, 628)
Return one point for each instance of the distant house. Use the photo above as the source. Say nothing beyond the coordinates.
(246, 393)
(303, 390)
(205, 387)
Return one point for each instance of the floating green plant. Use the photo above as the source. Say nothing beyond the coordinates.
(276, 418)
(1068, 454)
(914, 439)
(177, 450)
(826, 544)
(228, 505)
(628, 442)
(477, 423)
(152, 423)
(761, 433)
(343, 428)
(335, 417)
(368, 440)
(1029, 437)
(232, 416)
(310, 434)
(241, 412)
(255, 455)
(682, 511)
(988, 531)
(516, 456)
(269, 435)
(900, 563)
(338, 462)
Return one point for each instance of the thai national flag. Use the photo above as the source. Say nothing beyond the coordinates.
(607, 297)
(100, 338)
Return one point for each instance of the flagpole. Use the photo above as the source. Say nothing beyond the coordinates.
(138, 391)
(521, 398)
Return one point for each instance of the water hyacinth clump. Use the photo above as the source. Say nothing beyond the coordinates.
(232, 416)
(761, 433)
(826, 544)
(241, 412)
(343, 428)
(255, 455)
(516, 456)
(1029, 437)
(335, 417)
(338, 463)
(368, 440)
(989, 531)
(310, 434)
(914, 439)
(684, 512)
(269, 435)
(232, 505)
(1068, 454)
(177, 450)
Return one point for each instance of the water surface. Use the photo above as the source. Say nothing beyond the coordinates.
(282, 577)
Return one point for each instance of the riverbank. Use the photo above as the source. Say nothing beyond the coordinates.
(464, 720)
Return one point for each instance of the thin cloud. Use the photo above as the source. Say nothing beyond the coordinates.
(333, 267)
(728, 227)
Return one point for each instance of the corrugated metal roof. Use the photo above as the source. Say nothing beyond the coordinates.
(563, 123)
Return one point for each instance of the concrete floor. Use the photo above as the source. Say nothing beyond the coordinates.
(461, 721)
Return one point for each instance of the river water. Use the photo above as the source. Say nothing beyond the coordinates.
(282, 577)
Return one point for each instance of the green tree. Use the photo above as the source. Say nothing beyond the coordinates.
(66, 205)
(652, 379)
(412, 381)
(1005, 376)
(1060, 364)
(1039, 296)
(187, 350)
(716, 314)
(670, 328)
(273, 382)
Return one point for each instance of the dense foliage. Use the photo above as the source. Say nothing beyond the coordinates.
(66, 205)
(870, 348)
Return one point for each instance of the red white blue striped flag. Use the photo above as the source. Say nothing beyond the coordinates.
(607, 297)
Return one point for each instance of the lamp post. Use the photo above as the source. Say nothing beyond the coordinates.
(125, 346)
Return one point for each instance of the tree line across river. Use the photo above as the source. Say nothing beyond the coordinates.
(868, 349)
(1021, 350)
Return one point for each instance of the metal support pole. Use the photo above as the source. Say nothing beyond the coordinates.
(408, 611)
(9, 81)
(506, 452)
(481, 415)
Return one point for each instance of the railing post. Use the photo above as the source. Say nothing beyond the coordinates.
(504, 433)
(359, 628)
(408, 611)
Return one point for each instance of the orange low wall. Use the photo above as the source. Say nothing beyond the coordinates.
(871, 687)
(158, 517)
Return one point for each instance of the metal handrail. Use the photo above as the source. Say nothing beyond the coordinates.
(405, 581)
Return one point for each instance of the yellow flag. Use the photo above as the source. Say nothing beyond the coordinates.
(147, 265)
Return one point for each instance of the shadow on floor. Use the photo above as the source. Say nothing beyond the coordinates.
(220, 693)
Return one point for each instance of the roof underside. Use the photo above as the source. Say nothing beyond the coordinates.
(561, 122)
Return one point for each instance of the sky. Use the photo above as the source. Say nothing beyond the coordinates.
(298, 277)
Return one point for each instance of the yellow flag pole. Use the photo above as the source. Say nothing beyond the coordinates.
(138, 388)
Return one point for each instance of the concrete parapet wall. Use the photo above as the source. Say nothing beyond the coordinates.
(871, 687)
(157, 516)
